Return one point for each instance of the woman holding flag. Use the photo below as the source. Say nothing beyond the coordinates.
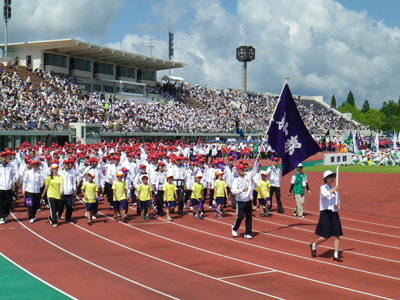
(329, 221)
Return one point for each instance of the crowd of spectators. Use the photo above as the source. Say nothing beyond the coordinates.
(59, 100)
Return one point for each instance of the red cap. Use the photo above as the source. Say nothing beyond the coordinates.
(230, 158)
(215, 162)
(240, 167)
(48, 156)
(160, 163)
(142, 166)
(240, 161)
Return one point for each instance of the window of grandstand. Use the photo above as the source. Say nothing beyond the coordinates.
(87, 87)
(147, 75)
(107, 89)
(80, 64)
(128, 91)
(96, 87)
(103, 68)
(55, 60)
(126, 72)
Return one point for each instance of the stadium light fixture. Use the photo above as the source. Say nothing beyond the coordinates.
(7, 17)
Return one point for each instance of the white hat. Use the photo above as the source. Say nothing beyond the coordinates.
(264, 173)
(327, 173)
(170, 175)
(54, 166)
(92, 173)
(300, 165)
(145, 175)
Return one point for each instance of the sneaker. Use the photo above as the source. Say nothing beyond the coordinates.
(31, 221)
(195, 216)
(269, 210)
(34, 219)
(169, 218)
(90, 222)
(125, 219)
(6, 218)
(191, 208)
(111, 207)
(294, 211)
(116, 219)
(281, 211)
(301, 217)
(254, 207)
(39, 209)
(135, 204)
(234, 233)
(94, 217)
(147, 218)
(219, 216)
(142, 218)
(201, 216)
(185, 205)
(1, 221)
(86, 214)
(54, 225)
(313, 252)
(201, 213)
(59, 217)
(51, 222)
(262, 215)
(248, 236)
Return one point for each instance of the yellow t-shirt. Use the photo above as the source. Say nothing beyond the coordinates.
(119, 187)
(169, 191)
(54, 187)
(263, 186)
(144, 191)
(197, 187)
(90, 191)
(220, 186)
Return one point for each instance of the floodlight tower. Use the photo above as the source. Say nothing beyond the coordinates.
(245, 54)
(171, 46)
(7, 17)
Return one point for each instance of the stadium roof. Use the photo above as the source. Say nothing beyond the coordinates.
(85, 50)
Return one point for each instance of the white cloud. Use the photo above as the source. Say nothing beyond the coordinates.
(54, 19)
(320, 45)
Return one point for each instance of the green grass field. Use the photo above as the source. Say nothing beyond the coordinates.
(355, 169)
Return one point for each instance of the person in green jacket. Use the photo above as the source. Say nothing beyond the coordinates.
(298, 183)
(255, 150)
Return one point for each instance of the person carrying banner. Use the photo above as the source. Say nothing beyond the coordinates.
(274, 178)
(298, 183)
(329, 221)
(242, 189)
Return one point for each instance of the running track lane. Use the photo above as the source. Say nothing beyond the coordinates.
(124, 237)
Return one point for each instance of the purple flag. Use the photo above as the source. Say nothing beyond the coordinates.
(193, 158)
(221, 166)
(234, 155)
(288, 135)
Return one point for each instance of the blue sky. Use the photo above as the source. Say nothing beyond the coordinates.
(325, 47)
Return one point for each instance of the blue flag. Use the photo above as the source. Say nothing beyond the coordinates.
(239, 130)
(288, 135)
(390, 139)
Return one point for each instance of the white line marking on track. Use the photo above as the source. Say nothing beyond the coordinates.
(261, 266)
(38, 278)
(93, 264)
(244, 275)
(173, 264)
(344, 218)
(261, 247)
(303, 229)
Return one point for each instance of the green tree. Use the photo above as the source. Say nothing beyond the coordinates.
(347, 108)
(365, 107)
(375, 118)
(350, 99)
(333, 101)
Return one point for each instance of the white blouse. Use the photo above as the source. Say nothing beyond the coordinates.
(326, 199)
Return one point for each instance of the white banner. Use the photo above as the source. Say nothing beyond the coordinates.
(337, 159)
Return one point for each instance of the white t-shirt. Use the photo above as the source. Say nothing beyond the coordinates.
(326, 199)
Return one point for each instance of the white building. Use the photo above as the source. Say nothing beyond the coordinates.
(97, 68)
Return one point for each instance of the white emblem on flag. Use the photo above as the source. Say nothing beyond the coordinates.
(282, 125)
(291, 144)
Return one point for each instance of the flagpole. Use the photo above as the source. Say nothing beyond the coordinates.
(337, 182)
(270, 121)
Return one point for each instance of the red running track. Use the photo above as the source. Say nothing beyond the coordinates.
(199, 259)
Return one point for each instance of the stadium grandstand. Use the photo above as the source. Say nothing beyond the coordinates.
(51, 85)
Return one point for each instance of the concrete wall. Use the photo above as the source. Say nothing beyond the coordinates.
(56, 69)
(80, 73)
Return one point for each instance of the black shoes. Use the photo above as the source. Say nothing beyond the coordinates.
(337, 259)
(314, 252)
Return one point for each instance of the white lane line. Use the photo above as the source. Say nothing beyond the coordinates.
(93, 264)
(170, 263)
(261, 247)
(307, 230)
(245, 275)
(350, 228)
(38, 278)
(261, 266)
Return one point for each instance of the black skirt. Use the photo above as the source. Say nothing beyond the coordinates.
(328, 224)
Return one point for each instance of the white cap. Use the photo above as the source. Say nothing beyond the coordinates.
(145, 175)
(264, 173)
(92, 173)
(54, 166)
(327, 173)
(300, 165)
